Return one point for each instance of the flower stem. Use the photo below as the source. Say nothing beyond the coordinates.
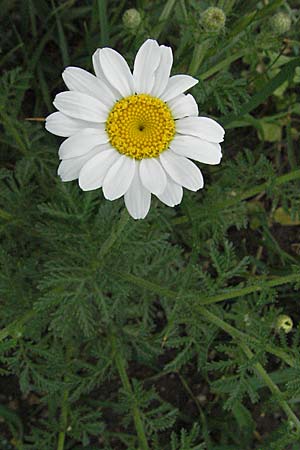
(63, 421)
(198, 56)
(278, 281)
(115, 233)
(104, 29)
(221, 65)
(17, 324)
(164, 17)
(293, 175)
(258, 367)
(120, 364)
(216, 299)
(64, 406)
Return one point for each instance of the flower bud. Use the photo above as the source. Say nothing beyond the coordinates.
(213, 19)
(131, 18)
(284, 323)
(281, 23)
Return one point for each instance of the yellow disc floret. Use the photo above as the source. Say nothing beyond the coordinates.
(140, 126)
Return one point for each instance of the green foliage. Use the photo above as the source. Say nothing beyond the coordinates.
(152, 334)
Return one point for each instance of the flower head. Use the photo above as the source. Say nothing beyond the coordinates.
(131, 18)
(213, 19)
(281, 23)
(284, 323)
(133, 133)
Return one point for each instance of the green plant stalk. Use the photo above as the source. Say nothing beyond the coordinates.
(165, 14)
(206, 434)
(258, 367)
(290, 147)
(115, 233)
(15, 134)
(149, 285)
(104, 31)
(198, 56)
(278, 281)
(17, 324)
(5, 215)
(221, 65)
(145, 284)
(285, 74)
(293, 175)
(64, 407)
(63, 421)
(127, 386)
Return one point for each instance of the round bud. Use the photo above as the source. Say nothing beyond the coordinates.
(284, 323)
(131, 18)
(213, 19)
(281, 23)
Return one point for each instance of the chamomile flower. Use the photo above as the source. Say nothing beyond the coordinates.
(133, 134)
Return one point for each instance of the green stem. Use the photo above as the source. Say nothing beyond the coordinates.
(115, 233)
(198, 56)
(221, 65)
(145, 284)
(166, 12)
(64, 407)
(294, 175)
(63, 421)
(5, 215)
(237, 334)
(17, 324)
(278, 281)
(258, 367)
(127, 386)
(14, 132)
(104, 31)
(290, 147)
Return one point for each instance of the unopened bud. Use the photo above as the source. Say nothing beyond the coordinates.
(131, 18)
(213, 19)
(284, 323)
(281, 23)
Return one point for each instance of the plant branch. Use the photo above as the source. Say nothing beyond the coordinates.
(120, 364)
(293, 175)
(258, 367)
(278, 281)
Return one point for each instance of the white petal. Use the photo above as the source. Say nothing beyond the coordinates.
(145, 64)
(119, 178)
(81, 106)
(137, 198)
(172, 194)
(82, 142)
(116, 71)
(177, 85)
(183, 105)
(163, 71)
(64, 126)
(97, 65)
(202, 127)
(69, 169)
(100, 74)
(182, 170)
(153, 175)
(80, 80)
(94, 171)
(197, 149)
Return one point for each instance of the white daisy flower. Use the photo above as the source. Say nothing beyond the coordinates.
(133, 133)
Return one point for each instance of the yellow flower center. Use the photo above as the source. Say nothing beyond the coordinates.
(140, 126)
